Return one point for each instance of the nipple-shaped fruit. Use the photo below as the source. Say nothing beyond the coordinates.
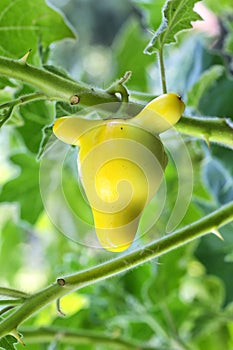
(121, 165)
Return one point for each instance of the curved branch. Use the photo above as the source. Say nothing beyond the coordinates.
(119, 87)
(67, 284)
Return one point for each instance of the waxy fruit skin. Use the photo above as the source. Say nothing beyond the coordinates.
(121, 165)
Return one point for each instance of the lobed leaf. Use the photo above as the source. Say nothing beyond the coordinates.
(177, 16)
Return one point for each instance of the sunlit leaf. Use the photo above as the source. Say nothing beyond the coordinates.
(177, 16)
(24, 24)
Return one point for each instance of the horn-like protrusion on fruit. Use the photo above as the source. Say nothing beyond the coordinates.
(161, 113)
(121, 165)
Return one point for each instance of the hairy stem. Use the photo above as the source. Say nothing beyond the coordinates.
(67, 336)
(210, 129)
(162, 70)
(53, 85)
(23, 99)
(118, 87)
(67, 284)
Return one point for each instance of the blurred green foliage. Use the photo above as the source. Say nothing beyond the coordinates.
(182, 301)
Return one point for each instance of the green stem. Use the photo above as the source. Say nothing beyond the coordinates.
(162, 70)
(152, 250)
(52, 85)
(23, 99)
(67, 336)
(8, 107)
(11, 301)
(118, 87)
(13, 293)
(210, 129)
(67, 284)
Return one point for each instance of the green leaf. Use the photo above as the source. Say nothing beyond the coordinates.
(207, 79)
(177, 16)
(7, 343)
(153, 11)
(4, 81)
(5, 114)
(129, 55)
(212, 252)
(24, 24)
(62, 109)
(219, 7)
(217, 100)
(47, 133)
(36, 116)
(24, 189)
(228, 44)
(58, 71)
(65, 108)
(11, 236)
(74, 197)
(218, 180)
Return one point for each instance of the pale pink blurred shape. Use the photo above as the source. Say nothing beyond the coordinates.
(209, 24)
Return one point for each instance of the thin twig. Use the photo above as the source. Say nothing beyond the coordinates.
(162, 70)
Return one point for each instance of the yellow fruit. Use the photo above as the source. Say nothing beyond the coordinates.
(121, 165)
(161, 113)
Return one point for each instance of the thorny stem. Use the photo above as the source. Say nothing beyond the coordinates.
(67, 284)
(53, 85)
(218, 130)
